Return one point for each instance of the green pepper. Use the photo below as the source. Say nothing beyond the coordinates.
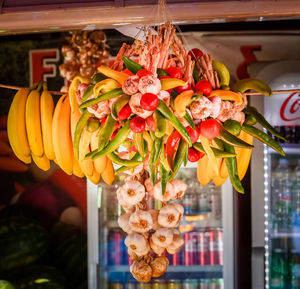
(106, 96)
(219, 143)
(263, 137)
(196, 74)
(137, 157)
(252, 83)
(189, 120)
(232, 126)
(88, 92)
(122, 169)
(222, 71)
(119, 161)
(156, 150)
(114, 144)
(161, 72)
(250, 120)
(153, 173)
(217, 152)
(132, 65)
(160, 124)
(98, 77)
(252, 111)
(166, 112)
(229, 138)
(78, 131)
(231, 164)
(139, 143)
(163, 178)
(92, 125)
(119, 104)
(106, 132)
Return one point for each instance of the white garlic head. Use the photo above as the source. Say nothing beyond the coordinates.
(179, 188)
(176, 244)
(154, 215)
(141, 221)
(123, 222)
(159, 266)
(167, 196)
(137, 243)
(170, 215)
(156, 248)
(163, 237)
(132, 192)
(141, 271)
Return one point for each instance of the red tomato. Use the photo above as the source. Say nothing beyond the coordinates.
(195, 53)
(180, 89)
(150, 123)
(149, 101)
(194, 134)
(203, 86)
(174, 72)
(209, 128)
(194, 155)
(143, 72)
(127, 71)
(125, 112)
(137, 124)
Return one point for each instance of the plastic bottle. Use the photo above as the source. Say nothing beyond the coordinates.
(277, 270)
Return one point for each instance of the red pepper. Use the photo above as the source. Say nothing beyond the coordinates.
(194, 155)
(172, 141)
(125, 112)
(180, 89)
(150, 123)
(132, 149)
(103, 120)
(127, 71)
(137, 124)
(143, 72)
(194, 134)
(174, 72)
(114, 134)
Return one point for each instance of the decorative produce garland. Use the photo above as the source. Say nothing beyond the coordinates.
(150, 117)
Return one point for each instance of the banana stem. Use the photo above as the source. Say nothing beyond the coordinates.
(45, 88)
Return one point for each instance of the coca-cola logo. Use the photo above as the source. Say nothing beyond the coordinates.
(290, 109)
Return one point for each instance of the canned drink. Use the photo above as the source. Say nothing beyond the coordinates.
(115, 247)
(204, 284)
(203, 250)
(190, 284)
(159, 284)
(174, 284)
(216, 247)
(190, 248)
(216, 284)
(177, 258)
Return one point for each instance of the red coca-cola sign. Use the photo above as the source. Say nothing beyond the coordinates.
(290, 108)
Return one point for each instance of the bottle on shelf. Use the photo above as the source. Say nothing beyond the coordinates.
(215, 198)
(277, 269)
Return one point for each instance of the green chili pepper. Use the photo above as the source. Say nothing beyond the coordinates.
(119, 161)
(88, 92)
(219, 143)
(217, 152)
(106, 96)
(229, 138)
(98, 77)
(232, 126)
(263, 137)
(139, 143)
(161, 72)
(114, 144)
(160, 124)
(78, 131)
(196, 74)
(92, 125)
(122, 169)
(137, 157)
(185, 160)
(118, 105)
(183, 148)
(252, 111)
(166, 112)
(252, 83)
(156, 150)
(222, 71)
(163, 178)
(106, 132)
(132, 65)
(250, 120)
(231, 164)
(153, 173)
(189, 120)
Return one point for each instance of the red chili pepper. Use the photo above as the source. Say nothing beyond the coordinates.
(195, 53)
(209, 128)
(125, 112)
(149, 101)
(150, 123)
(132, 149)
(143, 72)
(172, 141)
(127, 71)
(114, 134)
(194, 134)
(174, 72)
(180, 89)
(203, 86)
(137, 124)
(103, 120)
(194, 155)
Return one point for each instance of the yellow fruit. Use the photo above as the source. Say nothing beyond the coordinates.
(33, 123)
(16, 126)
(99, 163)
(202, 172)
(77, 171)
(87, 165)
(108, 174)
(47, 108)
(95, 177)
(42, 162)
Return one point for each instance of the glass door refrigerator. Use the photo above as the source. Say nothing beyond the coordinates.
(276, 185)
(206, 259)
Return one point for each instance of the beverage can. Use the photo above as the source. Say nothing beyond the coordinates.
(115, 247)
(216, 284)
(216, 246)
(158, 284)
(177, 258)
(190, 284)
(190, 248)
(174, 284)
(204, 284)
(203, 239)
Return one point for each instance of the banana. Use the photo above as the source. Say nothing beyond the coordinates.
(47, 108)
(61, 133)
(95, 177)
(33, 123)
(87, 165)
(108, 174)
(77, 171)
(16, 126)
(202, 172)
(42, 162)
(99, 163)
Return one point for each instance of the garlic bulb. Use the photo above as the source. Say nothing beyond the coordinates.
(141, 221)
(137, 243)
(159, 266)
(154, 215)
(179, 188)
(141, 271)
(170, 215)
(123, 222)
(176, 244)
(163, 237)
(167, 196)
(127, 207)
(132, 255)
(155, 248)
(132, 192)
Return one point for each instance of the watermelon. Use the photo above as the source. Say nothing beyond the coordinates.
(22, 241)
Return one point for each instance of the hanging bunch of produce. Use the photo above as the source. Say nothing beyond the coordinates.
(149, 114)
